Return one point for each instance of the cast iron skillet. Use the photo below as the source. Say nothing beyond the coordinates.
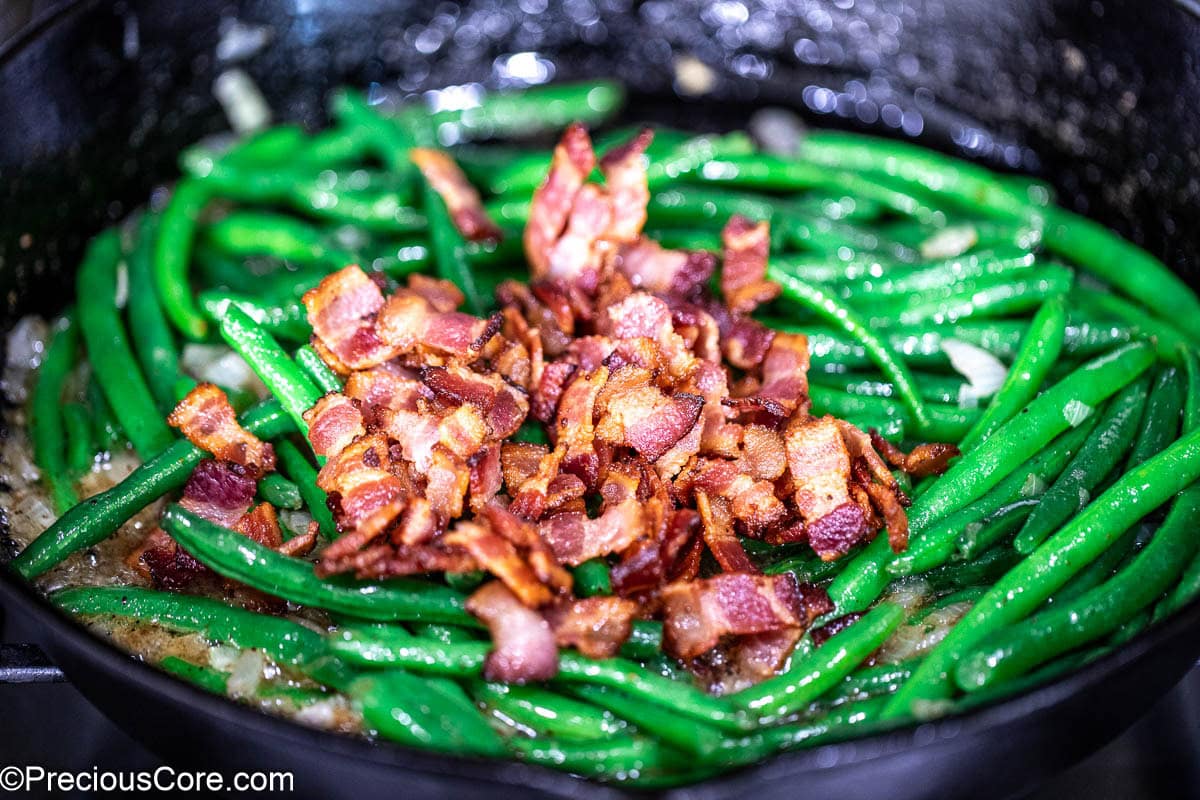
(1101, 98)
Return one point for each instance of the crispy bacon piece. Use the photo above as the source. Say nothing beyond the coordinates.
(640, 416)
(208, 421)
(744, 283)
(499, 556)
(342, 311)
(536, 551)
(367, 495)
(573, 161)
(923, 460)
(752, 502)
(697, 614)
(523, 646)
(785, 376)
(739, 663)
(820, 468)
(409, 324)
(719, 536)
(219, 492)
(644, 316)
(596, 626)
(579, 254)
(333, 423)
(461, 198)
(624, 172)
(574, 538)
(262, 525)
(656, 269)
(503, 406)
(486, 477)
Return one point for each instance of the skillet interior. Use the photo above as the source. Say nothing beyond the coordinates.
(1100, 99)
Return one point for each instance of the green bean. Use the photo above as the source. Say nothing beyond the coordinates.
(97, 517)
(762, 171)
(105, 429)
(205, 677)
(285, 380)
(46, 413)
(1013, 651)
(543, 711)
(296, 466)
(1184, 592)
(832, 311)
(645, 640)
(326, 379)
(173, 253)
(279, 491)
(937, 276)
(287, 321)
(426, 712)
(285, 641)
(270, 146)
(1166, 336)
(81, 450)
(591, 578)
(249, 233)
(449, 250)
(1126, 266)
(389, 645)
(112, 360)
(235, 556)
(807, 569)
(688, 735)
(1031, 581)
(938, 543)
(1098, 456)
(1160, 423)
(384, 136)
(155, 342)
(1098, 571)
(965, 574)
(933, 387)
(880, 679)
(1039, 351)
(986, 296)
(967, 185)
(978, 537)
(944, 423)
(616, 756)
(532, 110)
(823, 668)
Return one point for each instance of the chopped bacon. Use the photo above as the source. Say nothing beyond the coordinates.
(342, 311)
(785, 376)
(642, 417)
(219, 492)
(744, 283)
(261, 525)
(504, 407)
(697, 614)
(596, 626)
(820, 467)
(624, 172)
(580, 252)
(208, 421)
(461, 198)
(574, 538)
(368, 496)
(922, 461)
(573, 161)
(656, 269)
(719, 536)
(486, 477)
(523, 646)
(333, 423)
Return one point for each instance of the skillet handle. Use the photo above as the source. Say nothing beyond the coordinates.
(26, 663)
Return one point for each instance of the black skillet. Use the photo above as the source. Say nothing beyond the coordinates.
(1100, 98)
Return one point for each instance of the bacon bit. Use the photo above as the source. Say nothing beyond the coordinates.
(219, 492)
(820, 467)
(624, 170)
(573, 161)
(486, 478)
(744, 283)
(750, 659)
(302, 544)
(579, 254)
(650, 266)
(719, 536)
(461, 198)
(596, 626)
(500, 557)
(785, 375)
(697, 614)
(503, 406)
(536, 551)
(922, 461)
(261, 525)
(575, 539)
(441, 295)
(333, 423)
(523, 646)
(209, 422)
(367, 495)
(342, 311)
(642, 417)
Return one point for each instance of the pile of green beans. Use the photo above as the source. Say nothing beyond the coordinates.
(1062, 529)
